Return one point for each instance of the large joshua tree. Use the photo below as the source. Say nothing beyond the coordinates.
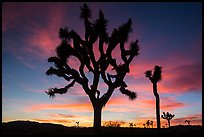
(154, 78)
(74, 45)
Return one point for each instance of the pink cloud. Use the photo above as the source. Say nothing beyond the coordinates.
(166, 104)
(171, 104)
(44, 39)
(143, 105)
(14, 14)
(40, 39)
(56, 121)
(77, 107)
(178, 75)
(184, 78)
(86, 106)
(42, 43)
(39, 29)
(62, 115)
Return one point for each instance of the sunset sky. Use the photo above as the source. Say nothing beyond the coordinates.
(169, 34)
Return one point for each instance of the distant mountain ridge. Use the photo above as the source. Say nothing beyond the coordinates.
(31, 127)
(30, 123)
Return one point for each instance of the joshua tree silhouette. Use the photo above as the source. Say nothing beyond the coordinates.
(188, 121)
(77, 122)
(151, 123)
(148, 123)
(168, 116)
(131, 124)
(156, 77)
(144, 125)
(73, 45)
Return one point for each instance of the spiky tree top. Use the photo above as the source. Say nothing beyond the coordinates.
(156, 76)
(187, 121)
(73, 45)
(168, 116)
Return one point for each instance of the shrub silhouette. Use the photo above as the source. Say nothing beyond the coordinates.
(112, 123)
(73, 45)
(154, 78)
(168, 116)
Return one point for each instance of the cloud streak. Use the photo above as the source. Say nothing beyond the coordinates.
(196, 119)
(38, 27)
(67, 120)
(59, 121)
(71, 107)
(114, 105)
(179, 78)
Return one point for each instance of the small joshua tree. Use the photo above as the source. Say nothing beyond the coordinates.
(131, 124)
(144, 125)
(148, 123)
(188, 121)
(151, 123)
(168, 116)
(77, 123)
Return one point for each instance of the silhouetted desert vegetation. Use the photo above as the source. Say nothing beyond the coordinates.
(35, 128)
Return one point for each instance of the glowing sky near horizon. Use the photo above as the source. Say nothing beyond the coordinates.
(169, 34)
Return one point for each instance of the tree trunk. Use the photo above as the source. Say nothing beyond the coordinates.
(169, 123)
(97, 116)
(157, 106)
(97, 120)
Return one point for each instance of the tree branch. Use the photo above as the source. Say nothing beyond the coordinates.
(52, 91)
(130, 94)
(104, 99)
(122, 48)
(58, 63)
(59, 73)
(103, 75)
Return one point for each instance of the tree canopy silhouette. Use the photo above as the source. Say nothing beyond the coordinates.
(74, 45)
(154, 78)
